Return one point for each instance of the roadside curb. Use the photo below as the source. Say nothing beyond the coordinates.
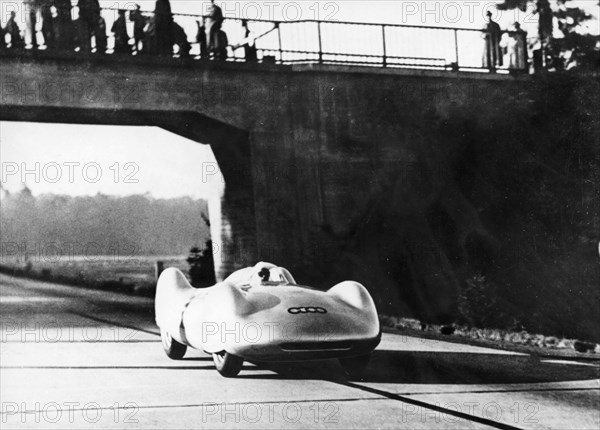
(563, 354)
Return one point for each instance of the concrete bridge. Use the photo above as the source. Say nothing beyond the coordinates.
(335, 172)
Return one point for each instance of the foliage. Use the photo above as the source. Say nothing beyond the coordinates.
(100, 225)
(541, 202)
(477, 302)
(576, 48)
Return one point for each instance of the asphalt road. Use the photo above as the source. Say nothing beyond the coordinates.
(73, 358)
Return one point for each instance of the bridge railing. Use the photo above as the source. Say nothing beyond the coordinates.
(334, 42)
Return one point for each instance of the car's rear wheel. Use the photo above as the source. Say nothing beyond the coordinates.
(228, 365)
(173, 349)
(355, 367)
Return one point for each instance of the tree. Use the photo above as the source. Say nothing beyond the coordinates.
(576, 48)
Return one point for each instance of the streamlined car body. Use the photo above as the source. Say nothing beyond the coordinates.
(260, 313)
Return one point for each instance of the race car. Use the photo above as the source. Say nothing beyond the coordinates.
(261, 314)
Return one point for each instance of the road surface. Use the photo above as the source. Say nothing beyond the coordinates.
(75, 358)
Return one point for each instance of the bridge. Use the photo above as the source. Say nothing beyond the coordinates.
(333, 167)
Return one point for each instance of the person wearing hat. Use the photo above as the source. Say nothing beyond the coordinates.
(89, 12)
(492, 54)
(12, 29)
(163, 27)
(213, 23)
(517, 48)
(119, 29)
(139, 22)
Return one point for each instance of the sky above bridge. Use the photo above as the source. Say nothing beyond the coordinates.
(138, 160)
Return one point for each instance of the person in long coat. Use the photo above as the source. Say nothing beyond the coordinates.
(63, 25)
(2, 38)
(48, 25)
(201, 38)
(163, 24)
(517, 48)
(139, 22)
(12, 28)
(119, 29)
(89, 13)
(213, 23)
(101, 36)
(492, 34)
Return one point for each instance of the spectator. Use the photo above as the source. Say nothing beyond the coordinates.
(201, 38)
(214, 21)
(250, 43)
(139, 22)
(33, 7)
(546, 18)
(2, 38)
(517, 48)
(89, 13)
(101, 37)
(79, 34)
(220, 49)
(48, 25)
(492, 54)
(163, 22)
(180, 39)
(201, 270)
(12, 29)
(545, 32)
(150, 43)
(195, 262)
(119, 29)
(63, 28)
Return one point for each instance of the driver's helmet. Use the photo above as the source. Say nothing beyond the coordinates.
(267, 274)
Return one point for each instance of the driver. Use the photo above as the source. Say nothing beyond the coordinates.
(264, 274)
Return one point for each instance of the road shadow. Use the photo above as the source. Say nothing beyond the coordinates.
(408, 367)
(197, 359)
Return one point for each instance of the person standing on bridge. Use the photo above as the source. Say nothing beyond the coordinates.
(32, 8)
(249, 45)
(48, 25)
(2, 38)
(220, 50)
(63, 29)
(214, 21)
(119, 29)
(492, 54)
(180, 39)
(89, 14)
(12, 29)
(163, 25)
(150, 44)
(101, 37)
(201, 38)
(517, 49)
(139, 22)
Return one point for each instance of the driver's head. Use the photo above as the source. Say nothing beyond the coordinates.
(264, 274)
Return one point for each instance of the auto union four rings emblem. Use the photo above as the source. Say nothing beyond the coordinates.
(307, 310)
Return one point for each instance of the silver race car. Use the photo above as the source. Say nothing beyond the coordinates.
(260, 313)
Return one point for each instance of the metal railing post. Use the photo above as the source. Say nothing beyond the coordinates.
(320, 43)
(456, 48)
(384, 46)
(280, 45)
